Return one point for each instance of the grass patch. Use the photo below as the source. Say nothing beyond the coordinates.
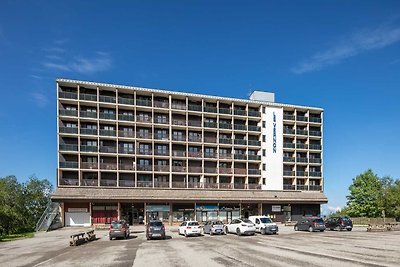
(11, 237)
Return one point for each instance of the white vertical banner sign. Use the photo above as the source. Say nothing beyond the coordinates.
(273, 146)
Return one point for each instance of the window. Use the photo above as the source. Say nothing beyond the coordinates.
(263, 124)
(91, 143)
(264, 138)
(264, 167)
(70, 108)
(263, 152)
(91, 126)
(264, 181)
(70, 125)
(144, 162)
(109, 127)
(263, 110)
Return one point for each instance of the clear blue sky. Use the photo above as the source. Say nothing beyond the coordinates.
(343, 56)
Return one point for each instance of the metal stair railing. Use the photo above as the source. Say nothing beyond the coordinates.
(48, 217)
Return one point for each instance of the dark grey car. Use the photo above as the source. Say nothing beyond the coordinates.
(155, 229)
(214, 227)
(119, 229)
(310, 224)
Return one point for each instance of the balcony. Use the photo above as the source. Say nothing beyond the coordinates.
(179, 122)
(107, 99)
(127, 167)
(210, 139)
(161, 152)
(289, 145)
(178, 169)
(301, 173)
(144, 135)
(240, 171)
(239, 186)
(289, 187)
(194, 138)
(194, 123)
(225, 156)
(104, 132)
(146, 119)
(210, 185)
(125, 101)
(69, 165)
(225, 111)
(68, 112)
(195, 154)
(315, 188)
(161, 168)
(301, 118)
(195, 169)
(195, 107)
(210, 124)
(126, 150)
(126, 117)
(301, 146)
(301, 132)
(161, 184)
(210, 155)
(179, 106)
(146, 168)
(240, 156)
(161, 120)
(302, 187)
(225, 170)
(88, 131)
(88, 114)
(130, 134)
(315, 119)
(254, 157)
(161, 136)
(254, 128)
(90, 182)
(210, 109)
(144, 184)
(288, 159)
(161, 104)
(315, 160)
(178, 185)
(225, 141)
(66, 181)
(225, 186)
(240, 142)
(179, 137)
(288, 173)
(68, 147)
(86, 148)
(254, 172)
(88, 97)
(316, 174)
(315, 147)
(89, 165)
(107, 116)
(108, 166)
(126, 183)
(253, 186)
(108, 149)
(239, 112)
(254, 143)
(254, 113)
(68, 95)
(288, 117)
(178, 153)
(69, 130)
(241, 127)
(210, 170)
(288, 131)
(315, 133)
(145, 152)
(143, 102)
(223, 125)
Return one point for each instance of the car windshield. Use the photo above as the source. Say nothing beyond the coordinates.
(116, 225)
(155, 223)
(265, 220)
(346, 219)
(319, 221)
(217, 223)
(246, 221)
(193, 223)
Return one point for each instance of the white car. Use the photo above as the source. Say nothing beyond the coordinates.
(189, 228)
(264, 225)
(241, 227)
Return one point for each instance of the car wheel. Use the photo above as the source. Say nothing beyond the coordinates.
(322, 230)
(349, 229)
(337, 228)
(296, 228)
(311, 229)
(238, 231)
(331, 229)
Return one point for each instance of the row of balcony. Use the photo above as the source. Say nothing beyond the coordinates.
(158, 168)
(302, 160)
(302, 174)
(302, 187)
(301, 132)
(301, 118)
(159, 104)
(302, 146)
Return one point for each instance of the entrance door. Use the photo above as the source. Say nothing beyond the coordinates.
(204, 216)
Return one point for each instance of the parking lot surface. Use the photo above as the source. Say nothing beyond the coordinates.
(288, 248)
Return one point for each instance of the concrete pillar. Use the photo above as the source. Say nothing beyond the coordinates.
(144, 213)
(90, 213)
(62, 214)
(170, 214)
(260, 209)
(119, 210)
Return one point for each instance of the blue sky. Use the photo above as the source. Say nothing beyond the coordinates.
(343, 56)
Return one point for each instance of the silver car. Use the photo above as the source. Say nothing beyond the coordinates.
(214, 227)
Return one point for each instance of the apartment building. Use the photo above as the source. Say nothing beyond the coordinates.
(139, 153)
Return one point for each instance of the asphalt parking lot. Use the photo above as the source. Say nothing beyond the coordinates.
(288, 248)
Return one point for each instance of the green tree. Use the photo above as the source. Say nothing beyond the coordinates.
(365, 199)
(393, 200)
(11, 204)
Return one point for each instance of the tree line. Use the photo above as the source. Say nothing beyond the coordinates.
(373, 196)
(22, 204)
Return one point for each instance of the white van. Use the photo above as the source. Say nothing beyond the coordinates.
(264, 225)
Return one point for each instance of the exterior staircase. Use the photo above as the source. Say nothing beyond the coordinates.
(50, 219)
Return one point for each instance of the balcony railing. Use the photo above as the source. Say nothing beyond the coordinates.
(126, 134)
(68, 95)
(126, 150)
(225, 141)
(254, 128)
(315, 119)
(239, 112)
(240, 142)
(179, 137)
(144, 183)
(88, 131)
(223, 125)
(315, 133)
(301, 173)
(126, 117)
(88, 97)
(225, 185)
(90, 182)
(70, 130)
(288, 131)
(66, 181)
(68, 147)
(210, 124)
(85, 148)
(108, 149)
(210, 170)
(69, 165)
(253, 186)
(254, 172)
(254, 113)
(147, 168)
(210, 155)
(107, 99)
(210, 139)
(301, 146)
(240, 171)
(161, 168)
(288, 159)
(161, 136)
(315, 160)
(127, 167)
(302, 187)
(301, 132)
(254, 157)
(147, 119)
(225, 111)
(89, 165)
(210, 109)
(239, 186)
(197, 154)
(288, 117)
(210, 185)
(126, 183)
(180, 106)
(289, 187)
(178, 185)
(240, 156)
(143, 102)
(161, 152)
(194, 123)
(288, 173)
(225, 156)
(161, 184)
(315, 147)
(107, 116)
(194, 138)
(315, 187)
(301, 118)
(145, 152)
(88, 114)
(108, 166)
(254, 143)
(161, 120)
(289, 145)
(179, 122)
(68, 112)
(161, 104)
(195, 107)
(302, 159)
(144, 135)
(125, 101)
(178, 169)
(195, 169)
(225, 170)
(178, 153)
(316, 174)
(108, 132)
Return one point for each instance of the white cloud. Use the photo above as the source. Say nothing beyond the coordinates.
(40, 99)
(360, 42)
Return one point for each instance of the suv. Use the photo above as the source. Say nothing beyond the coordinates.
(310, 224)
(155, 229)
(264, 225)
(119, 229)
(339, 223)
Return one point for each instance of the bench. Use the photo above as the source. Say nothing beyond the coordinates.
(81, 238)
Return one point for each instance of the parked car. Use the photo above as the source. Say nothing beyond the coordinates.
(119, 229)
(214, 227)
(310, 224)
(155, 229)
(241, 227)
(264, 225)
(339, 223)
(188, 228)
